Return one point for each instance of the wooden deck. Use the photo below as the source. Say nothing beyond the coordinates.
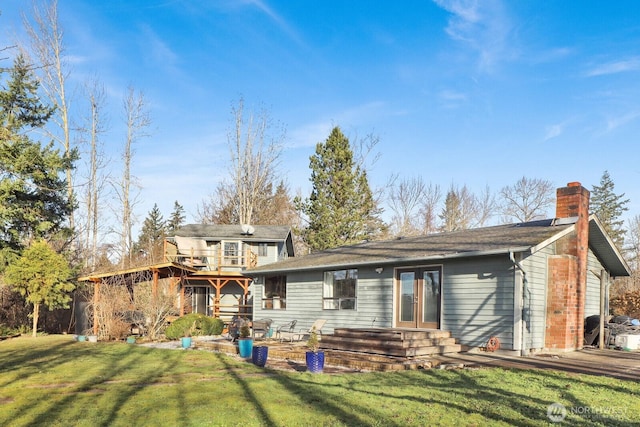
(372, 349)
(397, 342)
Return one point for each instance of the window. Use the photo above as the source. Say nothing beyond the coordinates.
(274, 296)
(263, 249)
(339, 289)
(231, 253)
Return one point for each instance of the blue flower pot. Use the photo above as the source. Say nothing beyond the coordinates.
(259, 355)
(82, 338)
(186, 342)
(315, 361)
(245, 345)
(131, 340)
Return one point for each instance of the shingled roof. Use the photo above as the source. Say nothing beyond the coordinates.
(263, 233)
(519, 237)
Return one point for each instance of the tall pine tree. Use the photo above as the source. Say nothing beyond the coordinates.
(33, 198)
(150, 242)
(609, 207)
(176, 219)
(341, 209)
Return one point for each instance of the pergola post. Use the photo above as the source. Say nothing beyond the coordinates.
(96, 299)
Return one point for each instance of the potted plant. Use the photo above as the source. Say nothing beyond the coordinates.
(186, 339)
(314, 357)
(245, 342)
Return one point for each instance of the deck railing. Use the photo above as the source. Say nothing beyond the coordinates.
(211, 258)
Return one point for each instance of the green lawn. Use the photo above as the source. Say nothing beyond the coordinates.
(53, 380)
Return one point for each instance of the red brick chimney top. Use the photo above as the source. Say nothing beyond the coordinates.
(572, 201)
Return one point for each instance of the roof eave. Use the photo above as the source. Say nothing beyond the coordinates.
(622, 269)
(96, 277)
(518, 249)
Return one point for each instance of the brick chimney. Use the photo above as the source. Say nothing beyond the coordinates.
(567, 273)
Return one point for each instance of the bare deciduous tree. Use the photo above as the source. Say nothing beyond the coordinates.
(47, 45)
(255, 146)
(527, 199)
(137, 122)
(91, 133)
(632, 255)
(405, 199)
(486, 207)
(429, 208)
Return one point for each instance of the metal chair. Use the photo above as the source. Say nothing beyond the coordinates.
(287, 328)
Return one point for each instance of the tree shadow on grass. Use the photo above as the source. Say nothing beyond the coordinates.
(43, 412)
(249, 395)
(310, 393)
(27, 360)
(458, 390)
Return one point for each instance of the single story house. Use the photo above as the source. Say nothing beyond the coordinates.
(530, 285)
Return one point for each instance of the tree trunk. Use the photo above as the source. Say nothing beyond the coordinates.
(36, 313)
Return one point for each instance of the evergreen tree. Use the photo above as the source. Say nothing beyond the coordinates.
(609, 207)
(176, 219)
(150, 244)
(461, 210)
(32, 188)
(341, 209)
(450, 215)
(42, 276)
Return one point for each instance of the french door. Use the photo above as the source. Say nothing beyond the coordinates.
(418, 297)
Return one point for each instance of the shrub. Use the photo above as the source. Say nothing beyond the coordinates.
(194, 324)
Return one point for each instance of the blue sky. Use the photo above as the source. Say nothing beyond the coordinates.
(464, 92)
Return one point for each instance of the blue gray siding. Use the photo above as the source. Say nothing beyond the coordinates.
(304, 301)
(592, 300)
(477, 300)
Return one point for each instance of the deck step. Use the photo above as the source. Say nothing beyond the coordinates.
(374, 349)
(396, 342)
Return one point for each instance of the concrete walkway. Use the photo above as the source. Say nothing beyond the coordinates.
(611, 363)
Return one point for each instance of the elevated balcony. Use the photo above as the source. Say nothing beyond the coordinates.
(199, 254)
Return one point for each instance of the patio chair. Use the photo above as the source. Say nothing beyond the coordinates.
(317, 325)
(287, 328)
(261, 327)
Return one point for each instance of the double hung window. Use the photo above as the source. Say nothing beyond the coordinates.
(340, 289)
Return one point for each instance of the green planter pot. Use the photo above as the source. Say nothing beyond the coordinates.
(245, 347)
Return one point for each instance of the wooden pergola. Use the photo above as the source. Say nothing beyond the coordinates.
(179, 275)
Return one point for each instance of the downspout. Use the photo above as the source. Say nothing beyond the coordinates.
(525, 288)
